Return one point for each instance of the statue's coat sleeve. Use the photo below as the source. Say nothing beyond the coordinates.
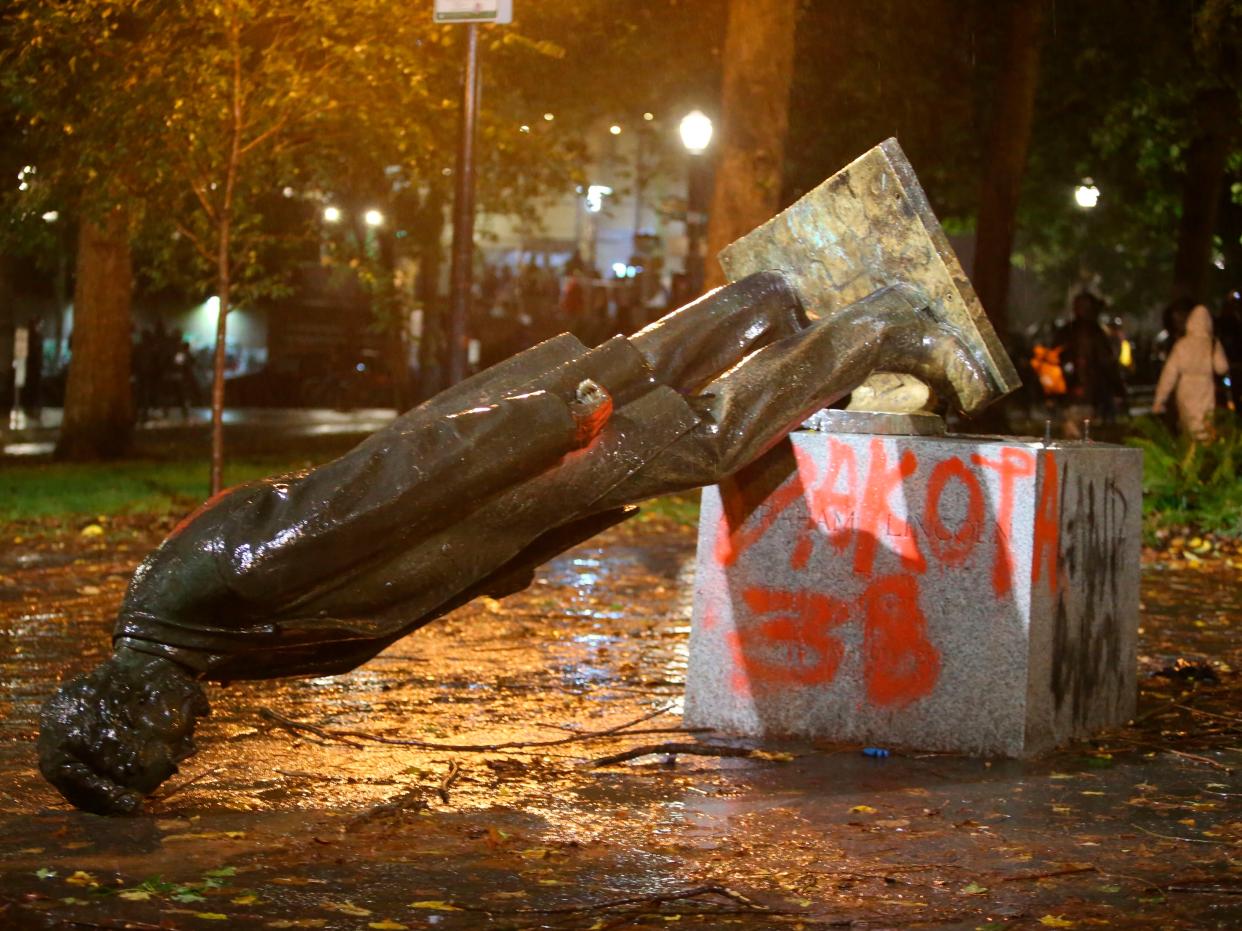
(317, 572)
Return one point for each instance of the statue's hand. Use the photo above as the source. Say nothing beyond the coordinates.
(108, 738)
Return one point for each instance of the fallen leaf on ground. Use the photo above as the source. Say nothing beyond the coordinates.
(437, 905)
(1055, 921)
(862, 810)
(348, 908)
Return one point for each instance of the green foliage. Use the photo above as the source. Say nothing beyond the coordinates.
(136, 487)
(1126, 121)
(681, 509)
(1191, 484)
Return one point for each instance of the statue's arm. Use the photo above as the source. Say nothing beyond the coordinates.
(262, 544)
(397, 485)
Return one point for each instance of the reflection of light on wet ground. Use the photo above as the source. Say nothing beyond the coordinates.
(595, 640)
(40, 617)
(29, 449)
(33, 626)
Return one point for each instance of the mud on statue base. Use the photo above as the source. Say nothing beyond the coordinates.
(950, 593)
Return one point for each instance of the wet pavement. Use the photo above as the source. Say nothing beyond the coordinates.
(27, 437)
(273, 825)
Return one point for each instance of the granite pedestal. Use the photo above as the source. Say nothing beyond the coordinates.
(938, 593)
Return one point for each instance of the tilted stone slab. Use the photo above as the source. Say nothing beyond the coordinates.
(947, 593)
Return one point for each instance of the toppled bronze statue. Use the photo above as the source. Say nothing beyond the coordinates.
(315, 573)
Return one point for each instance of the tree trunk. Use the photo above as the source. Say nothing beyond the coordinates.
(99, 414)
(758, 71)
(430, 232)
(394, 315)
(1005, 158)
(224, 287)
(224, 267)
(1216, 116)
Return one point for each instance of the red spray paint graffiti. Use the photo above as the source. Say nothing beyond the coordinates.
(953, 547)
(785, 637)
(1047, 526)
(876, 516)
(788, 641)
(1012, 465)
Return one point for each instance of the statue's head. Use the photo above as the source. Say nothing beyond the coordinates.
(110, 737)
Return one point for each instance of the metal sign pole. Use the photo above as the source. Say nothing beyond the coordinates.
(463, 213)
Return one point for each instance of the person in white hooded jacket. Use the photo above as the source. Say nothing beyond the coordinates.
(1189, 375)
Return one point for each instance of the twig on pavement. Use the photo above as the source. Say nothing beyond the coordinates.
(454, 773)
(671, 748)
(1189, 840)
(649, 900)
(165, 796)
(347, 736)
(1067, 871)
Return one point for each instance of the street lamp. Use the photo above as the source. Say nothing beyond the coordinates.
(332, 214)
(1087, 195)
(373, 218)
(696, 135)
(696, 131)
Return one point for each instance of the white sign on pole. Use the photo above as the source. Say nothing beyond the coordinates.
(474, 11)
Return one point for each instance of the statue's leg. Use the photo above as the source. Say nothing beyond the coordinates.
(750, 408)
(696, 343)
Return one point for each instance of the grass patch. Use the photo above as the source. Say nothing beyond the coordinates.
(1190, 485)
(63, 489)
(682, 509)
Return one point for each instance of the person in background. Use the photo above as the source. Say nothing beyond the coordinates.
(32, 393)
(1189, 375)
(1092, 375)
(1229, 332)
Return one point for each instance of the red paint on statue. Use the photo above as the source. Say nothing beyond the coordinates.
(875, 515)
(900, 665)
(831, 506)
(737, 533)
(953, 547)
(788, 643)
(1046, 542)
(1012, 465)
